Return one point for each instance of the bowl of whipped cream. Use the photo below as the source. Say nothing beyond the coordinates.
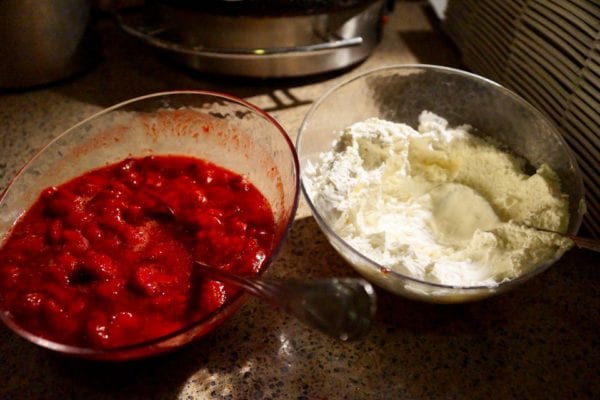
(438, 184)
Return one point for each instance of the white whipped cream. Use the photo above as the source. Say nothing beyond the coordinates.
(438, 203)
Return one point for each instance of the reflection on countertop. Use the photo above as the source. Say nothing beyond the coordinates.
(538, 341)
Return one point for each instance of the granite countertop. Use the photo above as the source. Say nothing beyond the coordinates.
(538, 341)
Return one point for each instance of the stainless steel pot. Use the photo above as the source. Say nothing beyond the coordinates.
(247, 44)
(44, 40)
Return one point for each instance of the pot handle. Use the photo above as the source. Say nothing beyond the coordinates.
(149, 35)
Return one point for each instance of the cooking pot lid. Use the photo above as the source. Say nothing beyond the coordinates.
(266, 7)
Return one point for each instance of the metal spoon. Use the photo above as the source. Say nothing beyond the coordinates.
(578, 241)
(340, 307)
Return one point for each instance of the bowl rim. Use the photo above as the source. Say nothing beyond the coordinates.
(431, 67)
(228, 307)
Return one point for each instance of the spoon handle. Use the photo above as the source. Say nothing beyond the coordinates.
(255, 286)
(578, 241)
(586, 243)
(340, 307)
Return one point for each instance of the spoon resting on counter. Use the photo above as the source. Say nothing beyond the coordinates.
(340, 307)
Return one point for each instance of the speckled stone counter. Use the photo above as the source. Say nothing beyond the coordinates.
(540, 341)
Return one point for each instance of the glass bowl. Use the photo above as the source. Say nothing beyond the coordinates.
(218, 128)
(399, 93)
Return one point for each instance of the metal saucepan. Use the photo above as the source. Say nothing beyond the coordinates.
(44, 40)
(294, 41)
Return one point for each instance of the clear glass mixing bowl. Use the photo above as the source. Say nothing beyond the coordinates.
(219, 128)
(400, 93)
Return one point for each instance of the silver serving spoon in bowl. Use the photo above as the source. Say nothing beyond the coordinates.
(340, 307)
(578, 241)
(582, 242)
